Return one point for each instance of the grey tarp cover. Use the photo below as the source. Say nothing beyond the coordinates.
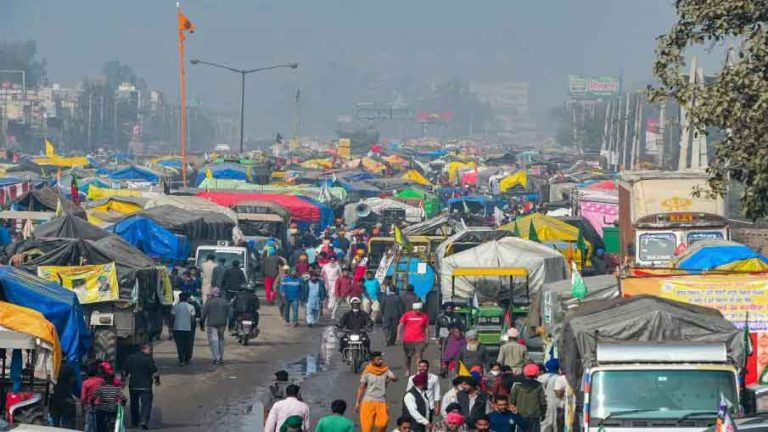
(640, 319)
(543, 263)
(198, 226)
(69, 226)
(47, 199)
(191, 204)
(548, 306)
(438, 225)
(256, 206)
(471, 234)
(412, 214)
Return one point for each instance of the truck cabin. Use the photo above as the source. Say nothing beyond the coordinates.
(660, 237)
(262, 225)
(672, 385)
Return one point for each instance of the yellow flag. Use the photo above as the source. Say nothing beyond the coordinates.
(463, 371)
(50, 151)
(208, 172)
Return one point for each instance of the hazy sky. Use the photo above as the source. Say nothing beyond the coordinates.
(540, 41)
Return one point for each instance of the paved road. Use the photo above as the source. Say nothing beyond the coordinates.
(204, 397)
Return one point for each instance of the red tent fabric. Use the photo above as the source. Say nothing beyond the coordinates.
(300, 209)
(602, 185)
(469, 177)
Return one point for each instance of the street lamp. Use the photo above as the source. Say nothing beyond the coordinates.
(243, 73)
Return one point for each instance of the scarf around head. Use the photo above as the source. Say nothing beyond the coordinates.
(293, 422)
(376, 370)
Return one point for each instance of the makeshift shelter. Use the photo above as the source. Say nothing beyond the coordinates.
(420, 198)
(134, 173)
(113, 209)
(551, 231)
(58, 305)
(396, 160)
(47, 199)
(472, 204)
(96, 193)
(720, 255)
(61, 161)
(227, 171)
(191, 204)
(152, 238)
(441, 225)
(640, 319)
(377, 205)
(197, 226)
(68, 226)
(317, 164)
(519, 178)
(29, 329)
(415, 177)
(542, 263)
(257, 206)
(454, 170)
(335, 193)
(301, 210)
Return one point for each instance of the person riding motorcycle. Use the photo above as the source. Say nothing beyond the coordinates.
(355, 321)
(447, 319)
(245, 306)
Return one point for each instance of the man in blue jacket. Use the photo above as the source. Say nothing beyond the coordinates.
(313, 296)
(504, 420)
(290, 288)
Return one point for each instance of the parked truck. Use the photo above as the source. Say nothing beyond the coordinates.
(660, 215)
(648, 363)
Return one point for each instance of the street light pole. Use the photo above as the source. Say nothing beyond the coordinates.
(243, 73)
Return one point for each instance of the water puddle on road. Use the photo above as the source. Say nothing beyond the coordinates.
(250, 414)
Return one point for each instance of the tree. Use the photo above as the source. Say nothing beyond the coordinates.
(735, 100)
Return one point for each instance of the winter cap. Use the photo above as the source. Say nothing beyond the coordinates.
(418, 306)
(420, 379)
(531, 370)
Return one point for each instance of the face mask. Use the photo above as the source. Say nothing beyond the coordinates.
(495, 372)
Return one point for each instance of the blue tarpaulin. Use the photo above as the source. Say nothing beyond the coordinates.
(224, 171)
(134, 173)
(711, 254)
(327, 217)
(155, 241)
(57, 304)
(422, 282)
(358, 176)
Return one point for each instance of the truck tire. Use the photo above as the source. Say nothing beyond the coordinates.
(105, 343)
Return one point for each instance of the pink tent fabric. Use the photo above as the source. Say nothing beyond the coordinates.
(599, 214)
(469, 177)
(300, 209)
(602, 185)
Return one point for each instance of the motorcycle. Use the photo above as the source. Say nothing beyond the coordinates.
(355, 352)
(246, 329)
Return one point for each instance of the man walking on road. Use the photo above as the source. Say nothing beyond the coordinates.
(290, 289)
(529, 398)
(207, 269)
(218, 274)
(413, 331)
(391, 311)
(215, 318)
(336, 422)
(371, 399)
(140, 372)
(288, 407)
(313, 296)
(433, 386)
(271, 267)
(183, 321)
(417, 404)
(233, 280)
(331, 273)
(512, 353)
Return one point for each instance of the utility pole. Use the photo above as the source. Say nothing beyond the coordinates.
(662, 127)
(625, 137)
(90, 119)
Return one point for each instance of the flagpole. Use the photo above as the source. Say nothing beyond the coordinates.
(183, 102)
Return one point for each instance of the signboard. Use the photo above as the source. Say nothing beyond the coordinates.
(584, 87)
(653, 138)
(91, 283)
(384, 264)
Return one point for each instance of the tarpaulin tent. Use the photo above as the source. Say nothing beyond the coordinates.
(317, 163)
(336, 193)
(151, 238)
(113, 209)
(415, 177)
(228, 171)
(640, 319)
(60, 161)
(267, 207)
(721, 255)
(97, 193)
(454, 168)
(196, 226)
(551, 231)
(58, 305)
(519, 178)
(68, 226)
(362, 189)
(301, 210)
(327, 216)
(191, 204)
(357, 176)
(47, 199)
(543, 264)
(395, 160)
(430, 202)
(32, 323)
(134, 173)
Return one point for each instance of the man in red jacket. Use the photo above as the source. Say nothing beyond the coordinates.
(346, 287)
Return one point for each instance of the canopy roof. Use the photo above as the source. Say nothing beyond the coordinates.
(257, 206)
(300, 209)
(640, 319)
(720, 254)
(548, 230)
(134, 173)
(377, 205)
(69, 226)
(57, 304)
(152, 238)
(196, 226)
(191, 204)
(47, 199)
(26, 328)
(542, 263)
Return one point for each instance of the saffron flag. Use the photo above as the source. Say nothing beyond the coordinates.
(185, 25)
(50, 150)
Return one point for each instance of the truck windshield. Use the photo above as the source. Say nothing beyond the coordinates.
(663, 393)
(657, 246)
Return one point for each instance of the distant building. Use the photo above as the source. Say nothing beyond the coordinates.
(509, 102)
